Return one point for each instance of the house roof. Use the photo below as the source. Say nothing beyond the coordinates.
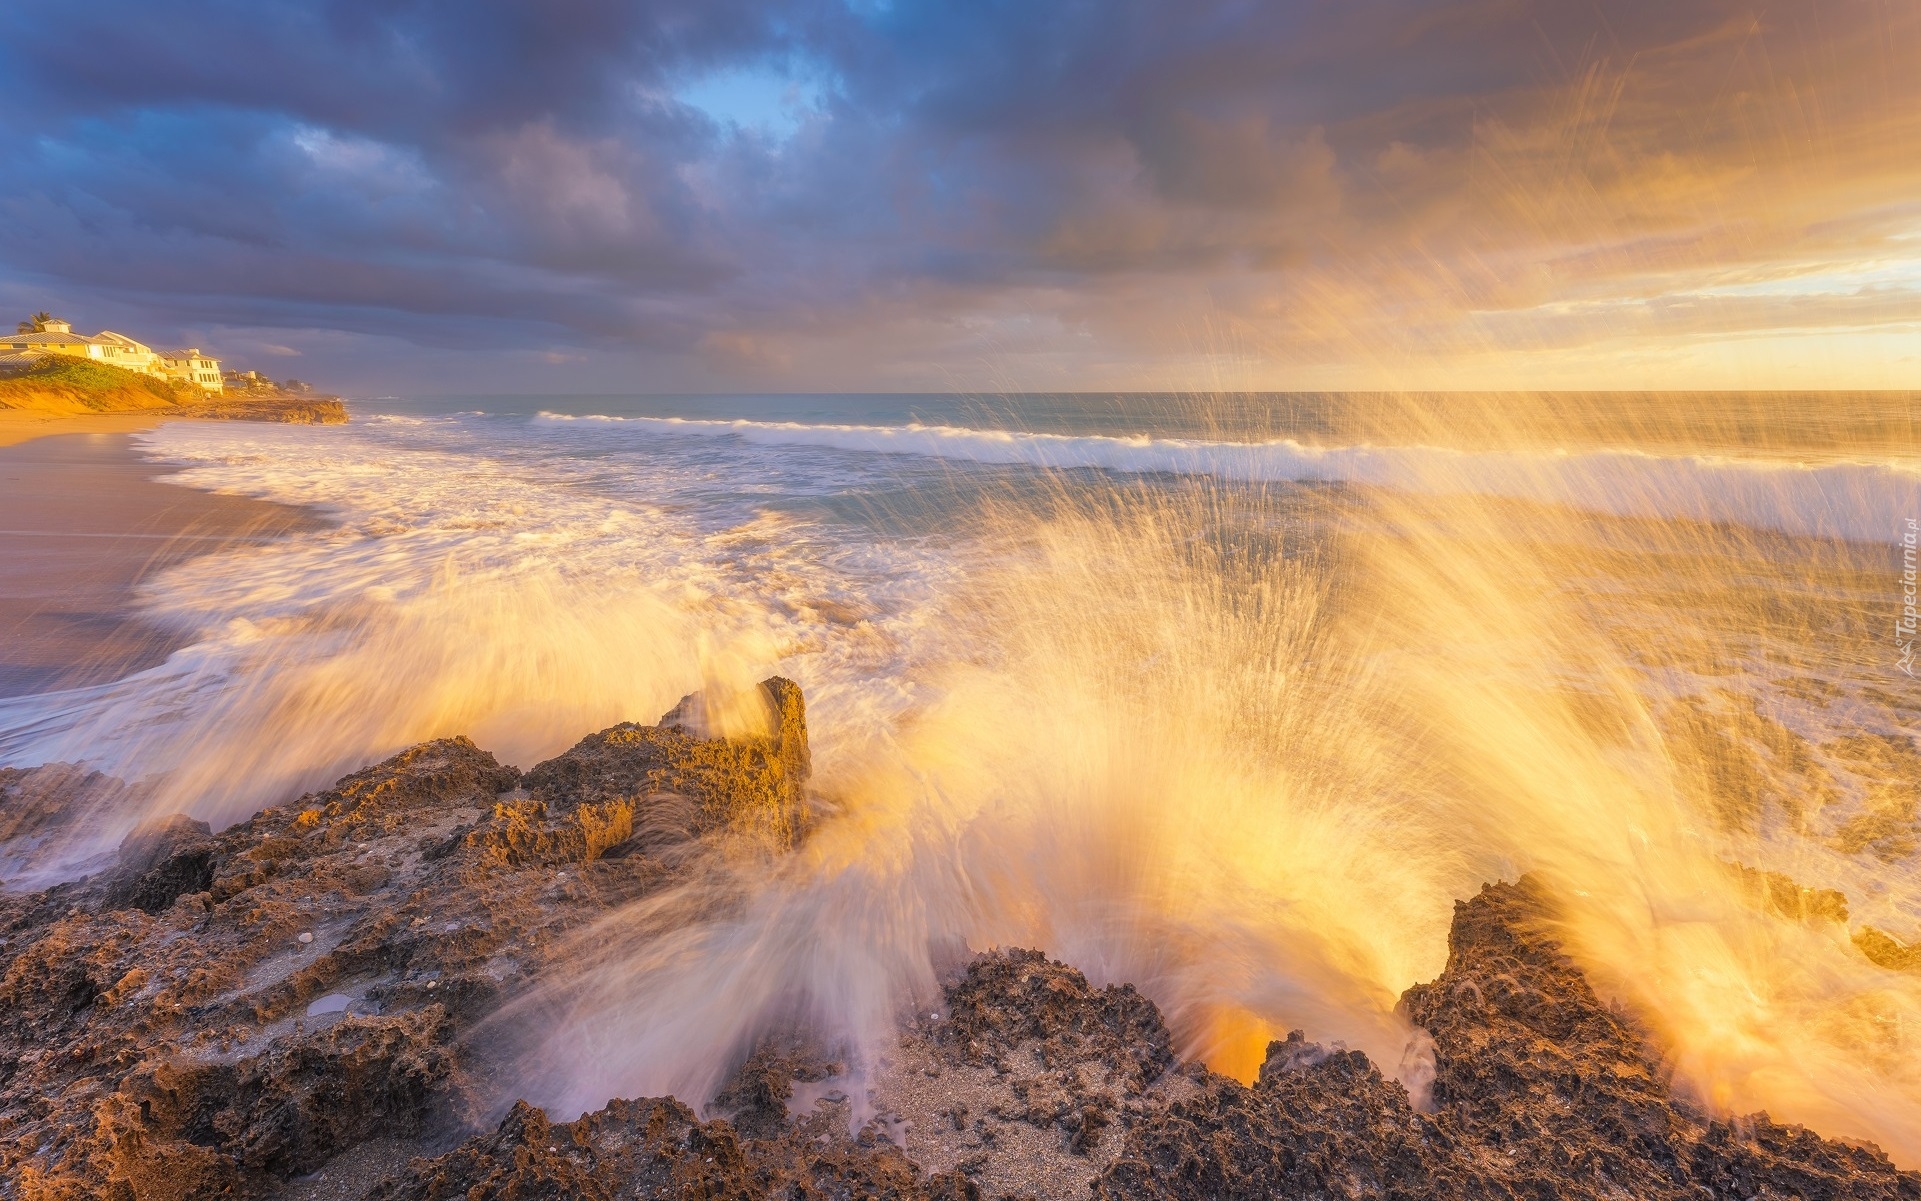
(108, 337)
(105, 337)
(19, 360)
(47, 339)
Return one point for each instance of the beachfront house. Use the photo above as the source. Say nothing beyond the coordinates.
(190, 365)
(118, 350)
(55, 336)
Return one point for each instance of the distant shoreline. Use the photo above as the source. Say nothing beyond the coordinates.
(61, 386)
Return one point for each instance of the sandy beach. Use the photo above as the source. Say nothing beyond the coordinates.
(25, 425)
(83, 520)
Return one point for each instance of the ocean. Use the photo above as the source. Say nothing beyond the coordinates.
(1228, 697)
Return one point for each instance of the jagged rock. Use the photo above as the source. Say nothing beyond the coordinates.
(277, 1114)
(754, 784)
(658, 1148)
(41, 806)
(1539, 1091)
(1887, 951)
(1058, 1059)
(1791, 899)
(528, 832)
(159, 862)
(758, 1098)
(1035, 1084)
(286, 410)
(1030, 1080)
(628, 1149)
(1010, 997)
(424, 777)
(1529, 1060)
(1319, 1123)
(214, 1013)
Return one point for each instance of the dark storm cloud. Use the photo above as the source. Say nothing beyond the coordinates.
(933, 181)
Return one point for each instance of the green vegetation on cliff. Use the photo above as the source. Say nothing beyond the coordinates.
(62, 384)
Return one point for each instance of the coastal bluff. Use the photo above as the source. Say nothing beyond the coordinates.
(287, 1008)
(63, 386)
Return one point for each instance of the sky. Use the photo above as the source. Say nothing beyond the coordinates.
(580, 196)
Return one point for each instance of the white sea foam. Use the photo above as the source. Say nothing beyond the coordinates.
(1164, 759)
(514, 593)
(1859, 501)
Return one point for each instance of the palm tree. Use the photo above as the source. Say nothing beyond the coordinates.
(34, 324)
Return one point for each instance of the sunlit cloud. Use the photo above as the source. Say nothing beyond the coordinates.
(1386, 193)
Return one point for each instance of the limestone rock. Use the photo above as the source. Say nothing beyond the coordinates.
(278, 1114)
(42, 808)
(155, 1033)
(1320, 1123)
(160, 862)
(159, 1036)
(1009, 997)
(1540, 1090)
(658, 1148)
(754, 785)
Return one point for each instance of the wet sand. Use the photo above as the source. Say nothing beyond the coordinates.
(24, 425)
(83, 520)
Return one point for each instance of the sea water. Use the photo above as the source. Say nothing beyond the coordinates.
(1229, 697)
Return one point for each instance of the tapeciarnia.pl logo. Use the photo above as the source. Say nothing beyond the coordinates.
(1904, 626)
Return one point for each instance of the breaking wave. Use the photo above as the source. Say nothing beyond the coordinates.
(1858, 501)
(1137, 701)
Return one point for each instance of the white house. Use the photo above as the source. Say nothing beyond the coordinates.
(192, 366)
(122, 351)
(115, 350)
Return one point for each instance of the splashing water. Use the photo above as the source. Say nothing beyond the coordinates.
(1230, 716)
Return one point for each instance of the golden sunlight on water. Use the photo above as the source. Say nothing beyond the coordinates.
(1241, 740)
(1230, 697)
(1243, 746)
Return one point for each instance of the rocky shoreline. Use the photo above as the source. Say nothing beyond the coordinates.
(280, 1010)
(288, 409)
